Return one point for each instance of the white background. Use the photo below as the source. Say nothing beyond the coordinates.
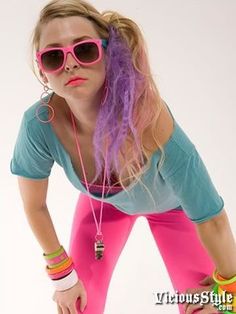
(192, 48)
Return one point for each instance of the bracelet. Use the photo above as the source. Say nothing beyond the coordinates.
(61, 274)
(57, 265)
(54, 254)
(66, 282)
(220, 291)
(58, 259)
(66, 265)
(229, 287)
(60, 269)
(215, 291)
(223, 282)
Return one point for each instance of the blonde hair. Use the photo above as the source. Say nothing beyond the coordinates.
(149, 104)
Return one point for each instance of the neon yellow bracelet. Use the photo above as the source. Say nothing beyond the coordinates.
(54, 254)
(223, 282)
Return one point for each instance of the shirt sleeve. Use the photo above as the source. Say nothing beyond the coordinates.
(197, 194)
(31, 157)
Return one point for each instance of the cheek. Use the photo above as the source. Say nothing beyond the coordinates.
(55, 81)
(98, 75)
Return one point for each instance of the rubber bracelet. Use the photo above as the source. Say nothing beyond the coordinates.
(62, 273)
(220, 291)
(223, 282)
(61, 268)
(54, 254)
(215, 290)
(219, 277)
(56, 260)
(63, 276)
(67, 282)
(230, 287)
(59, 264)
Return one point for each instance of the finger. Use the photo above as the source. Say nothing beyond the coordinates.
(209, 309)
(83, 300)
(189, 291)
(72, 309)
(186, 304)
(207, 281)
(193, 307)
(65, 310)
(59, 310)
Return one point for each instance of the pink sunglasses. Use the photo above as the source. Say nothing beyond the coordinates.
(86, 52)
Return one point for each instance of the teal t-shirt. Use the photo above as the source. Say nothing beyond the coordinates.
(183, 181)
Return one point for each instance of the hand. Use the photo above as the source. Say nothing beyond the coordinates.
(66, 300)
(189, 308)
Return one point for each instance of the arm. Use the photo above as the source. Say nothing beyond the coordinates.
(33, 194)
(217, 237)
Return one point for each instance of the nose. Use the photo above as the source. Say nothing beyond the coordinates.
(71, 62)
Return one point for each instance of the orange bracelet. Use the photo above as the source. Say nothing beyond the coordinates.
(220, 291)
(229, 287)
(67, 264)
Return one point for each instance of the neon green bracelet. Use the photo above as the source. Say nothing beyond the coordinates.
(54, 254)
(223, 282)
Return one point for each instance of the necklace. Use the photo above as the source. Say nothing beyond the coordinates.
(99, 244)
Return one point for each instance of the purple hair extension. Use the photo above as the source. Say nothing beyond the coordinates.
(123, 83)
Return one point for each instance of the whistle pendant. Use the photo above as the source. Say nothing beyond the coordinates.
(99, 248)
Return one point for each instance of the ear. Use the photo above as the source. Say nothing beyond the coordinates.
(43, 76)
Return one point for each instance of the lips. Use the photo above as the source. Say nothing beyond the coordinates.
(75, 78)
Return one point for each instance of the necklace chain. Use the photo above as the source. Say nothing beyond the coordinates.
(99, 246)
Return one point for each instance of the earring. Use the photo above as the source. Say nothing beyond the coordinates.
(44, 103)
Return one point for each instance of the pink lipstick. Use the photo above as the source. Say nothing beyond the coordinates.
(76, 82)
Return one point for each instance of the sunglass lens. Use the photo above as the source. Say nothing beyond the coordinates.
(86, 52)
(52, 60)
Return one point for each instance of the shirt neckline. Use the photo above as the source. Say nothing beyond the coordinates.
(130, 187)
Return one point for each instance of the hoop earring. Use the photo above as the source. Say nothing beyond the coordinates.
(44, 103)
(105, 94)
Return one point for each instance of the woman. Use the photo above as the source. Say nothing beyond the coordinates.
(120, 146)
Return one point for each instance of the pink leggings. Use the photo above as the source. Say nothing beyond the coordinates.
(186, 260)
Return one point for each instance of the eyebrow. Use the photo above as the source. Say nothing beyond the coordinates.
(74, 41)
